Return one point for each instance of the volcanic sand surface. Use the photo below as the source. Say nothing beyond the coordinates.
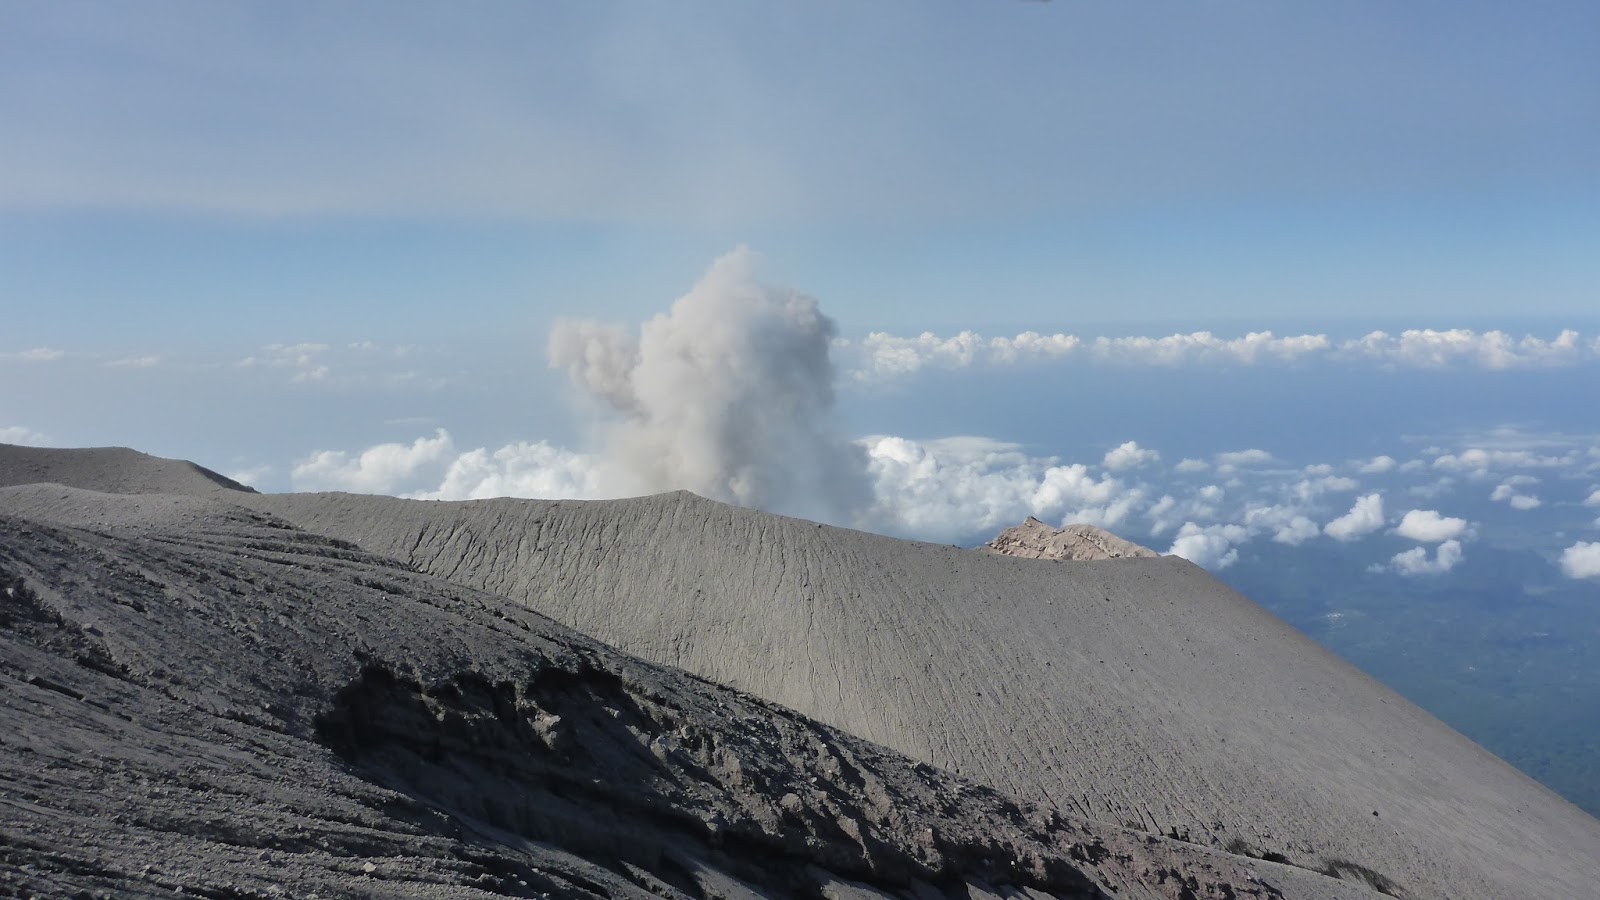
(1133, 691)
(202, 700)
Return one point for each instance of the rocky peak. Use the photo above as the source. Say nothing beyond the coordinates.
(1034, 539)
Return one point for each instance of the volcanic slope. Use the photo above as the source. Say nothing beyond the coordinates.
(1129, 691)
(113, 470)
(200, 699)
(1135, 691)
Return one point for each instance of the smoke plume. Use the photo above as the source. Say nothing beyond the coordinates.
(728, 394)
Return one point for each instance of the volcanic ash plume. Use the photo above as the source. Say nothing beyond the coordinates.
(728, 394)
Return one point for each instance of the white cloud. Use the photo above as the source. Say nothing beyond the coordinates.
(1203, 346)
(1378, 465)
(1209, 546)
(1233, 459)
(1309, 489)
(37, 354)
(1031, 345)
(1415, 562)
(1427, 348)
(1594, 498)
(1319, 469)
(1477, 461)
(1364, 517)
(1581, 560)
(1191, 465)
(957, 488)
(894, 355)
(1206, 500)
(523, 470)
(1288, 524)
(1429, 527)
(1506, 492)
(891, 355)
(383, 469)
(26, 437)
(1160, 512)
(1296, 531)
(1129, 455)
(133, 362)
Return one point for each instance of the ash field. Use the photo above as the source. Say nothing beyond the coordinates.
(215, 692)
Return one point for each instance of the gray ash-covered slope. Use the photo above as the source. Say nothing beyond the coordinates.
(198, 698)
(112, 470)
(1136, 691)
(1139, 691)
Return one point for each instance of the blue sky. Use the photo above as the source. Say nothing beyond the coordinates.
(170, 171)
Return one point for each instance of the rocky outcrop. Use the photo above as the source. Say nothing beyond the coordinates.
(1034, 539)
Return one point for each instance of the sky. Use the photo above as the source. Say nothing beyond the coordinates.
(1192, 272)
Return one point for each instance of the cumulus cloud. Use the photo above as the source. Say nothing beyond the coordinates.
(1308, 489)
(1427, 348)
(888, 354)
(885, 354)
(1378, 465)
(1203, 346)
(1594, 498)
(26, 437)
(521, 470)
(1209, 546)
(1581, 560)
(1427, 526)
(1477, 461)
(1191, 465)
(728, 394)
(1296, 531)
(1231, 461)
(956, 488)
(384, 469)
(1251, 457)
(1364, 517)
(1287, 524)
(1506, 492)
(1415, 562)
(1129, 455)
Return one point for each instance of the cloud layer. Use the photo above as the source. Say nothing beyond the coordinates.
(881, 354)
(964, 489)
